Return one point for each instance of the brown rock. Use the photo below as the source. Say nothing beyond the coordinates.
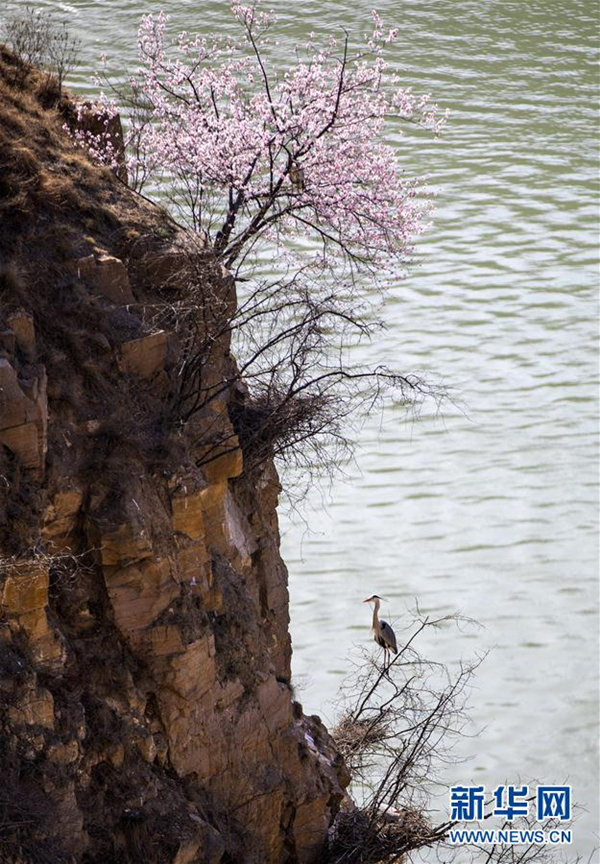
(163, 641)
(206, 845)
(116, 755)
(68, 824)
(311, 821)
(225, 461)
(15, 408)
(64, 754)
(40, 398)
(24, 415)
(36, 708)
(25, 588)
(145, 356)
(190, 752)
(188, 513)
(192, 565)
(23, 441)
(263, 815)
(140, 592)
(230, 693)
(213, 500)
(147, 747)
(239, 535)
(226, 527)
(107, 276)
(60, 518)
(117, 546)
(7, 342)
(188, 850)
(172, 267)
(161, 385)
(193, 673)
(21, 324)
(96, 120)
(275, 704)
(24, 597)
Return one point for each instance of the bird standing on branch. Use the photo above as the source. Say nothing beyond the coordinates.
(382, 632)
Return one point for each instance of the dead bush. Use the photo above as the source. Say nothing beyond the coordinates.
(398, 723)
(40, 41)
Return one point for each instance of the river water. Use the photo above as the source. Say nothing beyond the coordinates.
(490, 509)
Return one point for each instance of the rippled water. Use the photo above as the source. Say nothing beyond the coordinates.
(491, 510)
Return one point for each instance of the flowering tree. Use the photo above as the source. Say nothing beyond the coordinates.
(259, 154)
(260, 157)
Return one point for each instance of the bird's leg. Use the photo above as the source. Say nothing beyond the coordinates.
(386, 664)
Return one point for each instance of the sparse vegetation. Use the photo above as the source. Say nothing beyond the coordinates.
(39, 41)
(396, 729)
(292, 393)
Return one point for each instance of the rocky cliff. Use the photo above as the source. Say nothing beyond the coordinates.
(146, 712)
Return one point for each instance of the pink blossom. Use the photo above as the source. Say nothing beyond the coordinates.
(258, 155)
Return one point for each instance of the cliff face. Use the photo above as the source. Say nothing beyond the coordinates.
(146, 712)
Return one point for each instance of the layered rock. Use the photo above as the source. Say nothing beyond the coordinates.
(144, 643)
(23, 397)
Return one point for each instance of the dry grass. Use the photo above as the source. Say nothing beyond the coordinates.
(31, 139)
(360, 838)
(48, 184)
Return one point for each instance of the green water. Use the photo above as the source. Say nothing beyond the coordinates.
(491, 511)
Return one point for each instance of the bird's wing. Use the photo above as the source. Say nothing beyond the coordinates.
(389, 636)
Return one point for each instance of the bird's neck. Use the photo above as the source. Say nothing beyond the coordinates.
(375, 618)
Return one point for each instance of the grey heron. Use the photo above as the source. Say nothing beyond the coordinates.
(382, 632)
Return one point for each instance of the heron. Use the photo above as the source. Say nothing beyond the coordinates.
(382, 632)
